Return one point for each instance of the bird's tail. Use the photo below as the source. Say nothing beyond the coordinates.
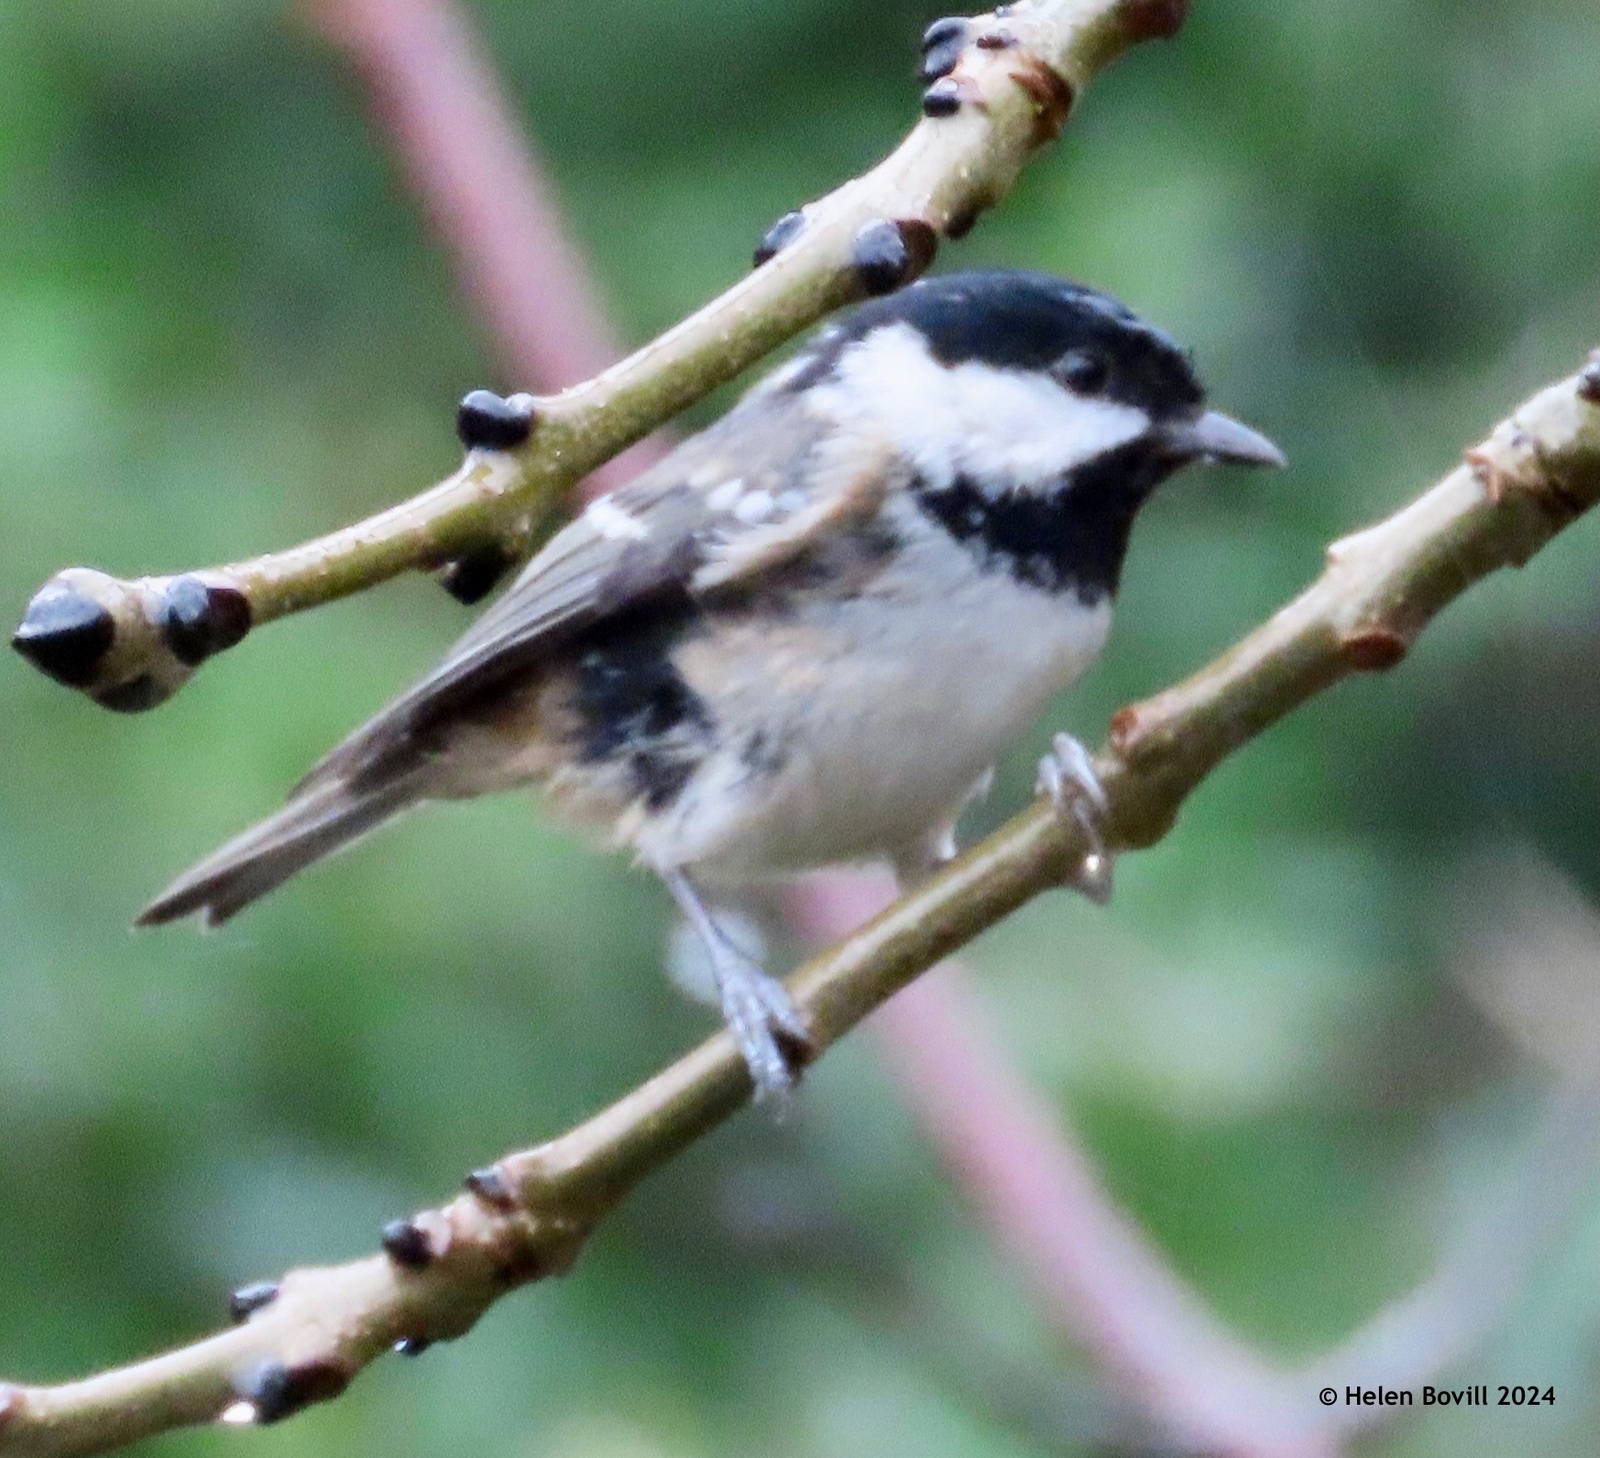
(322, 819)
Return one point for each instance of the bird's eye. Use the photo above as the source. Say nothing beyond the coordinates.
(1082, 371)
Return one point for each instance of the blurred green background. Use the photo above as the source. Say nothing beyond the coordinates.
(223, 328)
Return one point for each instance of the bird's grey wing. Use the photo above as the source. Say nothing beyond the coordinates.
(733, 502)
(579, 578)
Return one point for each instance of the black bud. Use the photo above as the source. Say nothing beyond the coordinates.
(277, 1391)
(182, 618)
(490, 1186)
(943, 98)
(197, 619)
(961, 224)
(888, 254)
(412, 1346)
(247, 1300)
(470, 578)
(407, 1244)
(942, 45)
(134, 696)
(487, 421)
(779, 236)
(65, 634)
(942, 32)
(940, 61)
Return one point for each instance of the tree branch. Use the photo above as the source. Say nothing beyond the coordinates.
(130, 644)
(528, 1216)
(1097, 1278)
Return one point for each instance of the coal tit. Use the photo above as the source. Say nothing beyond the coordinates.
(808, 633)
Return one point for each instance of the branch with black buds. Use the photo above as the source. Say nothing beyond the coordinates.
(305, 1337)
(131, 643)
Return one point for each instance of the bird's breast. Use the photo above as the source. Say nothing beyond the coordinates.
(849, 727)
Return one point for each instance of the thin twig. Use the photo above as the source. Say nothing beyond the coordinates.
(514, 1249)
(528, 1215)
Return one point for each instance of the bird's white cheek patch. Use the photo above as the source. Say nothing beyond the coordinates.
(1023, 429)
(1008, 429)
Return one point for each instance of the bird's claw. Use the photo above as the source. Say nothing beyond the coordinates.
(766, 1025)
(1067, 775)
(764, 1022)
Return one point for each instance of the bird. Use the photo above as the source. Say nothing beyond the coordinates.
(806, 635)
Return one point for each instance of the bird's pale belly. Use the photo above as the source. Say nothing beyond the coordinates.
(878, 741)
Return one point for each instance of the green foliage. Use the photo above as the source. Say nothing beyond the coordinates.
(226, 328)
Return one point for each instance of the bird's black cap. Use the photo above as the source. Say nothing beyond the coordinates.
(1020, 320)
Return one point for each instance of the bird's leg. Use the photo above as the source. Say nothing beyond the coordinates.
(756, 1006)
(1068, 777)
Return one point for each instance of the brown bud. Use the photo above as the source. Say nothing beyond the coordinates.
(1051, 94)
(1144, 20)
(1372, 648)
(1125, 728)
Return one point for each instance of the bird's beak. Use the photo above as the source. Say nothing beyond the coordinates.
(1218, 437)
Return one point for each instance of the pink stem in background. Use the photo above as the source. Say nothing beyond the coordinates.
(1097, 1277)
(436, 104)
